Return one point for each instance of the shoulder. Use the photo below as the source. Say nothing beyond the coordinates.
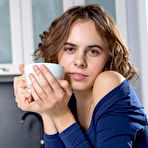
(104, 83)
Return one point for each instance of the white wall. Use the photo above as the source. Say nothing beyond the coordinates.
(138, 43)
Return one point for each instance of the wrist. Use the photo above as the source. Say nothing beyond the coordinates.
(48, 124)
(64, 121)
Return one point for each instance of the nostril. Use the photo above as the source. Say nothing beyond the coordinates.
(80, 63)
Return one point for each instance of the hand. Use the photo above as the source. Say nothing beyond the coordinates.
(51, 95)
(22, 96)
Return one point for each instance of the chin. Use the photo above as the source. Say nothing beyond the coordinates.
(81, 87)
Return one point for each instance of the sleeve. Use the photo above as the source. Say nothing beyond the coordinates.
(73, 137)
(111, 132)
(53, 141)
(114, 131)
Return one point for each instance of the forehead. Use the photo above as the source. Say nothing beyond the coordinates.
(84, 31)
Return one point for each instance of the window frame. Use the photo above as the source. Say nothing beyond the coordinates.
(21, 38)
(16, 40)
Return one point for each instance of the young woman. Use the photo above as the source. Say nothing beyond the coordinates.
(95, 105)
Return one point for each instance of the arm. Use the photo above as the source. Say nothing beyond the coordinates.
(48, 124)
(109, 130)
(53, 99)
(113, 127)
(114, 131)
(73, 137)
(51, 136)
(23, 98)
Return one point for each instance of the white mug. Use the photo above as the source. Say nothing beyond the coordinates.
(56, 70)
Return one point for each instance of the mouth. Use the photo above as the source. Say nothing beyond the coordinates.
(77, 76)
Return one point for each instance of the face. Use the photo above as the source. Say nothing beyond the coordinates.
(83, 56)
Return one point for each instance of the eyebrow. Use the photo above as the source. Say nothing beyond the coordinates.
(88, 46)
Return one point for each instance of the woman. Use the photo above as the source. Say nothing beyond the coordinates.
(95, 106)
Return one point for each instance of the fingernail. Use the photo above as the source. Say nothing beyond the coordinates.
(43, 66)
(35, 67)
(31, 75)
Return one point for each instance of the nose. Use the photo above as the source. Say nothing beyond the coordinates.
(80, 60)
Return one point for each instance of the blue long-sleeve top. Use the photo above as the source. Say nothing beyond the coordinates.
(117, 119)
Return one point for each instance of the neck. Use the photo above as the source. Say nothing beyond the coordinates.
(84, 99)
(84, 107)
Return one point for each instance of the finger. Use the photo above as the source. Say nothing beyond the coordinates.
(65, 85)
(43, 82)
(19, 82)
(21, 68)
(22, 97)
(36, 89)
(33, 92)
(14, 85)
(28, 103)
(28, 96)
(37, 103)
(25, 97)
(50, 78)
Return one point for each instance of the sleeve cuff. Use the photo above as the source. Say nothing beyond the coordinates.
(53, 137)
(73, 136)
(69, 130)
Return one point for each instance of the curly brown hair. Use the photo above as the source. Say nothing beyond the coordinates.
(53, 40)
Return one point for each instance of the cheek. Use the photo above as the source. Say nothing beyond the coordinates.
(65, 61)
(98, 66)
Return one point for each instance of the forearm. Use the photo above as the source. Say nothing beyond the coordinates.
(64, 121)
(51, 135)
(73, 137)
(69, 131)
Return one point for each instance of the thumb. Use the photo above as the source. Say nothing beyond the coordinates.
(21, 68)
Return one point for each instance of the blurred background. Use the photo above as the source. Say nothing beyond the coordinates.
(21, 22)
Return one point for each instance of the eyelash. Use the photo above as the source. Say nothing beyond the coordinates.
(94, 51)
(90, 51)
(69, 49)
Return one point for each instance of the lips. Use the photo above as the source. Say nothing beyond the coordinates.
(77, 76)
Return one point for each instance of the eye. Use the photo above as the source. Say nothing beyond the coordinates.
(93, 52)
(69, 49)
